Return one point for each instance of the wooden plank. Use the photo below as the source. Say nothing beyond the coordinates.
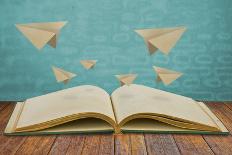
(4, 116)
(61, 144)
(138, 146)
(8, 144)
(76, 145)
(36, 145)
(106, 144)
(91, 145)
(122, 144)
(229, 105)
(3, 105)
(6, 102)
(223, 113)
(161, 144)
(218, 143)
(192, 144)
(28, 146)
(44, 145)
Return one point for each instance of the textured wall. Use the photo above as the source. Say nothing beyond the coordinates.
(103, 30)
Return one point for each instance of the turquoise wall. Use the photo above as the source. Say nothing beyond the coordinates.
(103, 30)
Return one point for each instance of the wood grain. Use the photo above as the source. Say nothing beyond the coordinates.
(61, 145)
(3, 105)
(223, 113)
(138, 146)
(8, 144)
(161, 144)
(76, 145)
(122, 144)
(119, 144)
(106, 144)
(91, 145)
(4, 116)
(229, 105)
(221, 144)
(188, 144)
(37, 145)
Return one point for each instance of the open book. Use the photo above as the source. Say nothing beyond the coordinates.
(90, 109)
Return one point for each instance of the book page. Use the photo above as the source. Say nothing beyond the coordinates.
(146, 125)
(83, 125)
(134, 99)
(80, 99)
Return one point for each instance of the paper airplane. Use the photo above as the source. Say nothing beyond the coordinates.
(88, 64)
(163, 39)
(126, 79)
(62, 75)
(165, 75)
(40, 34)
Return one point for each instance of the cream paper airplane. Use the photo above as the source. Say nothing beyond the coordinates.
(62, 75)
(88, 64)
(126, 79)
(163, 39)
(165, 75)
(40, 34)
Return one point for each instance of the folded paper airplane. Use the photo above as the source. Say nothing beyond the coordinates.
(165, 75)
(88, 64)
(126, 79)
(62, 75)
(40, 34)
(163, 39)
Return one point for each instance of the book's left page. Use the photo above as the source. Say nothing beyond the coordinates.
(64, 106)
(87, 125)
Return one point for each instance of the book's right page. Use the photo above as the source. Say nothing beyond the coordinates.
(129, 101)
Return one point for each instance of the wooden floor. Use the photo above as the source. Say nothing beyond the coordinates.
(119, 144)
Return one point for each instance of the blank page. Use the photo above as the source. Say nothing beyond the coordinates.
(133, 99)
(66, 102)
